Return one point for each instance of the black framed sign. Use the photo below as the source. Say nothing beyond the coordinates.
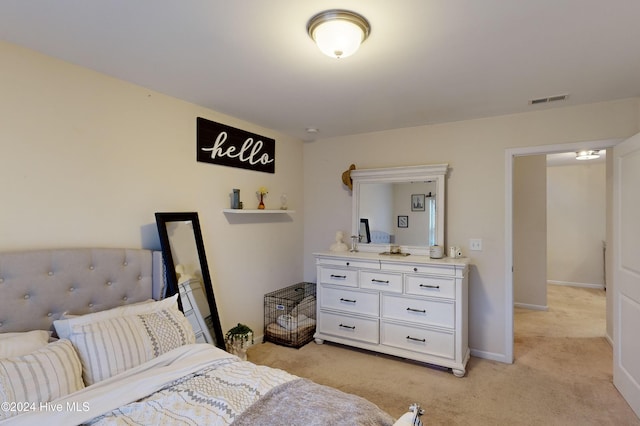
(227, 146)
(403, 221)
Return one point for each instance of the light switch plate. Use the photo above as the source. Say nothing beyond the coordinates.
(475, 244)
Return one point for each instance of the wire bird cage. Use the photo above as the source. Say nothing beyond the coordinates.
(290, 315)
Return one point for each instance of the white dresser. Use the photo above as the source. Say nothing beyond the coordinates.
(408, 306)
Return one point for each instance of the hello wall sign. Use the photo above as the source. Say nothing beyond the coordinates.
(227, 146)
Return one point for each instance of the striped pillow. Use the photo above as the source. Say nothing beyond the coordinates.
(41, 376)
(109, 347)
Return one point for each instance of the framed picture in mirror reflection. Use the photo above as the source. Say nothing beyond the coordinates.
(417, 202)
(365, 233)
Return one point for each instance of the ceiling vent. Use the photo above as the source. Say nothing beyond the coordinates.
(548, 99)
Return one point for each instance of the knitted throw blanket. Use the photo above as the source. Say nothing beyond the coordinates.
(303, 402)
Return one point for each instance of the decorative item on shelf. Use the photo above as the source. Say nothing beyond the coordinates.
(339, 245)
(283, 202)
(346, 176)
(235, 199)
(237, 340)
(262, 192)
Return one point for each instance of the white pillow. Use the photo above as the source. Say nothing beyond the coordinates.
(63, 326)
(113, 345)
(16, 344)
(41, 376)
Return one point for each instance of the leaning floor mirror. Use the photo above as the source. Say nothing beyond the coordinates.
(187, 273)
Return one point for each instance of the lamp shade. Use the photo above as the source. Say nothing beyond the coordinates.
(338, 33)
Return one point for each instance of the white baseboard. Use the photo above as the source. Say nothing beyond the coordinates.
(490, 356)
(609, 339)
(572, 284)
(531, 307)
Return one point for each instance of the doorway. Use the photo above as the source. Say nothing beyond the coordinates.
(510, 155)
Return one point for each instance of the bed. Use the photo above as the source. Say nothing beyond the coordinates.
(86, 338)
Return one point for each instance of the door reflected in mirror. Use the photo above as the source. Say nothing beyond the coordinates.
(187, 273)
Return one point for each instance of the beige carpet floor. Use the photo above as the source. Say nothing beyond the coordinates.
(562, 374)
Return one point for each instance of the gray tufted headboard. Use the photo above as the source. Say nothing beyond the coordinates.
(36, 287)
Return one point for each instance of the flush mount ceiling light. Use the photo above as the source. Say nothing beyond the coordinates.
(338, 33)
(588, 155)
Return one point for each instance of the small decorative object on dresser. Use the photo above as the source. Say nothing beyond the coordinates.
(237, 340)
(435, 252)
(339, 245)
(412, 307)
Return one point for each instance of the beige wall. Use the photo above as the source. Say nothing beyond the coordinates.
(86, 160)
(530, 231)
(475, 151)
(577, 224)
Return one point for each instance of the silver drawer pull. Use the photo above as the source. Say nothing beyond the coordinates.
(429, 286)
(342, 277)
(350, 327)
(373, 280)
(347, 300)
(423, 311)
(416, 339)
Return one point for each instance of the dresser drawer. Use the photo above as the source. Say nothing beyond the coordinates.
(350, 263)
(346, 277)
(428, 312)
(363, 329)
(431, 342)
(350, 301)
(381, 281)
(418, 268)
(191, 317)
(430, 286)
(186, 302)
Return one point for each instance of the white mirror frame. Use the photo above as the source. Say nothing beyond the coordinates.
(435, 172)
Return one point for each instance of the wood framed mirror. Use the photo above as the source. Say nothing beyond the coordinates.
(187, 273)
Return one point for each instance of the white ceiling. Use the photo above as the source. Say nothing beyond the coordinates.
(426, 61)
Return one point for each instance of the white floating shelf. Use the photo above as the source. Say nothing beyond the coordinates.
(256, 211)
